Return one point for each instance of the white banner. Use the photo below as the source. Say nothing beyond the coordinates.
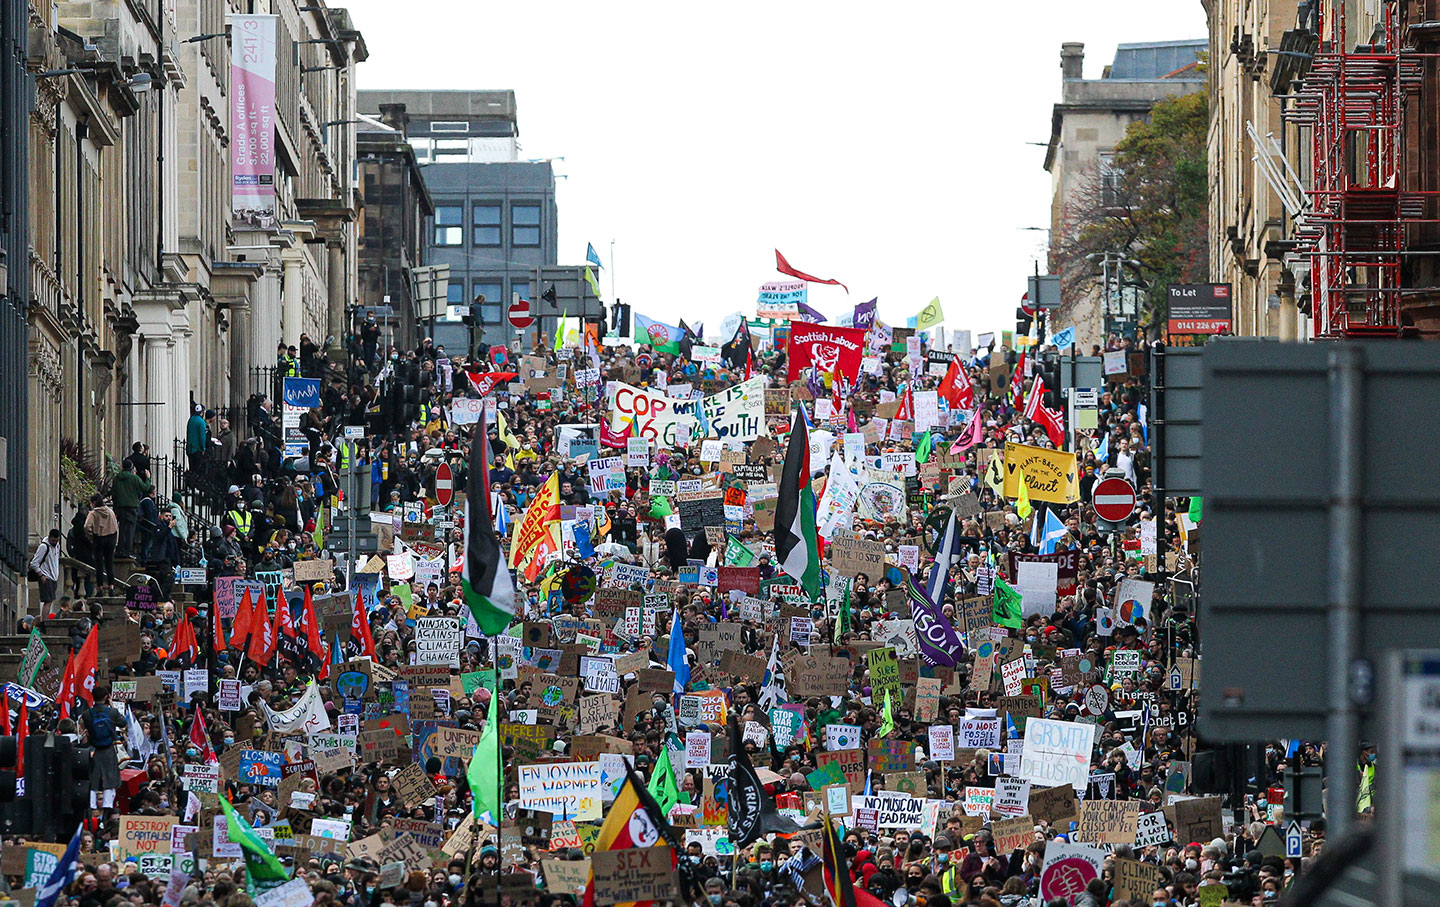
(734, 414)
(307, 715)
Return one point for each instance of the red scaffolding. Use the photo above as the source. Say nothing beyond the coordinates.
(1353, 232)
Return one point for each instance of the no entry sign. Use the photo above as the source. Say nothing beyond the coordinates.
(1114, 500)
(520, 317)
(445, 484)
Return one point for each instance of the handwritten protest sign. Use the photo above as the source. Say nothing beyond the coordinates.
(568, 790)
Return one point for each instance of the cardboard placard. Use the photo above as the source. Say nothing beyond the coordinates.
(413, 786)
(1057, 805)
(636, 874)
(1135, 880)
(1108, 821)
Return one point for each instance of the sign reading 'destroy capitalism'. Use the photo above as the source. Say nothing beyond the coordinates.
(252, 116)
(569, 790)
(737, 413)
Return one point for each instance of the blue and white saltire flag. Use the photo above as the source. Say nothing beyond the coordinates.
(772, 692)
(1102, 453)
(1054, 531)
(946, 553)
(676, 659)
(1142, 412)
(63, 875)
(592, 256)
(502, 516)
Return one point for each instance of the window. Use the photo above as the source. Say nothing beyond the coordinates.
(485, 220)
(449, 126)
(448, 229)
(452, 147)
(455, 292)
(525, 225)
(521, 288)
(492, 309)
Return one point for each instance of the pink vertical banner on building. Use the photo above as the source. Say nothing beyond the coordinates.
(252, 116)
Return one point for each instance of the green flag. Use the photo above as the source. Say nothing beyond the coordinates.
(887, 720)
(1197, 509)
(484, 770)
(662, 782)
(924, 443)
(660, 507)
(1005, 605)
(262, 870)
(842, 620)
(736, 554)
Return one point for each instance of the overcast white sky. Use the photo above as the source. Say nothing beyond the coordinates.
(880, 144)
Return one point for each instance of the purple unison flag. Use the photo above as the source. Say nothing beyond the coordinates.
(938, 643)
(865, 313)
(811, 313)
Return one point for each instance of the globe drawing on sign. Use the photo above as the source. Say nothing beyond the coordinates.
(1067, 878)
(1131, 610)
(1085, 665)
(1104, 621)
(884, 499)
(353, 684)
(986, 649)
(552, 696)
(843, 741)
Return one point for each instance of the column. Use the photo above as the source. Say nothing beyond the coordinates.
(158, 384)
(292, 316)
(335, 324)
(240, 351)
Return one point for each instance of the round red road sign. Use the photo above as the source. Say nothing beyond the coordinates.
(444, 485)
(1114, 500)
(520, 317)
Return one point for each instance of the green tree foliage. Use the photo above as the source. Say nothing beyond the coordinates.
(1152, 204)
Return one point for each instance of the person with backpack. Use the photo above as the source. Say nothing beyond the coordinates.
(45, 568)
(104, 728)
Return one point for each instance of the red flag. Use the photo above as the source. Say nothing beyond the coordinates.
(1037, 411)
(201, 737)
(956, 388)
(240, 626)
(1017, 381)
(5, 716)
(65, 696)
(87, 665)
(615, 439)
(217, 632)
(783, 267)
(184, 641)
(485, 382)
(262, 635)
(311, 626)
(284, 620)
(360, 626)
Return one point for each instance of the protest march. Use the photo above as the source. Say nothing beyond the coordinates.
(775, 610)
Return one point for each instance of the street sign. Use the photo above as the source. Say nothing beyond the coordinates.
(1177, 680)
(1294, 840)
(1114, 500)
(520, 317)
(354, 432)
(445, 484)
(1086, 397)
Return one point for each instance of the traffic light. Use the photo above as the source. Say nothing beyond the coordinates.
(1049, 368)
(57, 789)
